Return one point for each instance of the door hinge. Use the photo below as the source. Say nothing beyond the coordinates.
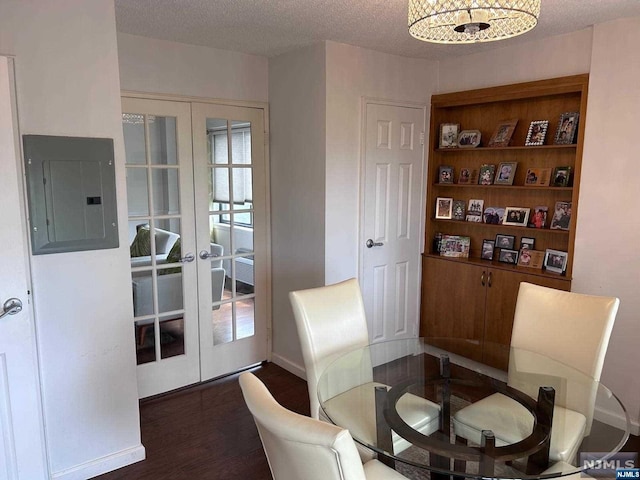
(421, 138)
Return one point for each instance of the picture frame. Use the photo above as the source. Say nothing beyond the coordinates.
(516, 216)
(507, 255)
(449, 135)
(487, 249)
(505, 241)
(444, 208)
(530, 258)
(561, 219)
(493, 215)
(458, 209)
(503, 133)
(487, 172)
(469, 138)
(445, 174)
(567, 128)
(539, 217)
(474, 210)
(527, 243)
(464, 177)
(561, 176)
(455, 246)
(555, 260)
(537, 133)
(506, 173)
(537, 177)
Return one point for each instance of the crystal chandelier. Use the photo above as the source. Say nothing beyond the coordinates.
(471, 21)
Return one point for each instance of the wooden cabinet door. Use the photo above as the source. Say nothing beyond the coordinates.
(453, 304)
(502, 293)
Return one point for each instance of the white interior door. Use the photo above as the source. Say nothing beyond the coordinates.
(231, 220)
(391, 222)
(22, 451)
(163, 269)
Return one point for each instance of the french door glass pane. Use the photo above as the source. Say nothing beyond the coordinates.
(145, 332)
(245, 317)
(162, 140)
(135, 148)
(170, 289)
(137, 192)
(222, 318)
(171, 336)
(142, 293)
(166, 194)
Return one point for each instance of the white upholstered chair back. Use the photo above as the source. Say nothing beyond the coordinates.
(331, 321)
(299, 447)
(570, 328)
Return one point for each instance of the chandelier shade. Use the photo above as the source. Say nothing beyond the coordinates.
(471, 21)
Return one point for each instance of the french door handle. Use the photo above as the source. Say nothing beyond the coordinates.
(204, 254)
(11, 307)
(188, 258)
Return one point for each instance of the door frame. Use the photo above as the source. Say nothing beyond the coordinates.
(247, 104)
(364, 101)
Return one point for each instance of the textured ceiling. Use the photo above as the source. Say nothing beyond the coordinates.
(272, 27)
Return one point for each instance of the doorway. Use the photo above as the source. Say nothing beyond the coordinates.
(196, 178)
(391, 231)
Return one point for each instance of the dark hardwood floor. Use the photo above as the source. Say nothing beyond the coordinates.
(206, 432)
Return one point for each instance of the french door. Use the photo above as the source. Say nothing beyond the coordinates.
(196, 186)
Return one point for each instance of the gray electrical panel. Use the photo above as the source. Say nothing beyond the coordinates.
(71, 189)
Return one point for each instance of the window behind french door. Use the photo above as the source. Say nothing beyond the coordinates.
(197, 210)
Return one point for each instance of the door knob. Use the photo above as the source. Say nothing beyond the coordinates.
(370, 243)
(205, 254)
(11, 307)
(189, 257)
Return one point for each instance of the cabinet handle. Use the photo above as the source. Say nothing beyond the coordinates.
(482, 278)
(490, 278)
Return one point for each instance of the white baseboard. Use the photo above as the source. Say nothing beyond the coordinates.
(102, 465)
(615, 420)
(288, 365)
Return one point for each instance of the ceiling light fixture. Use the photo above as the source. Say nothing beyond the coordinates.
(471, 21)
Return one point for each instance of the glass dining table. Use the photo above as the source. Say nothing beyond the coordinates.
(363, 390)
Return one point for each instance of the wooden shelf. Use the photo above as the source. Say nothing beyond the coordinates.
(525, 231)
(502, 187)
(494, 149)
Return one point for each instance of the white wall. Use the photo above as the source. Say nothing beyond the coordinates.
(159, 66)
(605, 261)
(353, 73)
(67, 83)
(297, 97)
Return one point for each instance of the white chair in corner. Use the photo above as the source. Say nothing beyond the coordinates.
(331, 321)
(299, 447)
(572, 330)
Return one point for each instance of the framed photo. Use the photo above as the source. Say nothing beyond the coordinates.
(469, 138)
(508, 256)
(487, 249)
(505, 174)
(455, 246)
(449, 135)
(458, 209)
(505, 241)
(502, 136)
(567, 128)
(527, 243)
(539, 217)
(561, 176)
(538, 177)
(445, 174)
(561, 216)
(464, 178)
(474, 210)
(486, 174)
(493, 215)
(555, 261)
(516, 216)
(537, 132)
(444, 208)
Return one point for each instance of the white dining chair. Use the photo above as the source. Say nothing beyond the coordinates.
(299, 447)
(331, 321)
(555, 334)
